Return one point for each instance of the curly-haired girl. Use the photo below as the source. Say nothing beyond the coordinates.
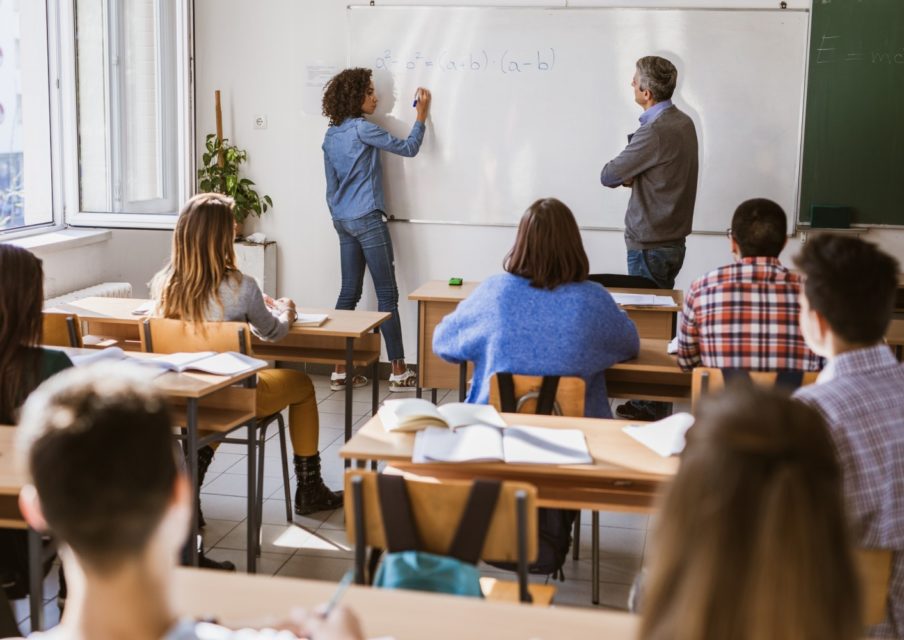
(354, 194)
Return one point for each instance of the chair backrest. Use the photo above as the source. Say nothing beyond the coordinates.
(709, 379)
(875, 575)
(437, 509)
(165, 335)
(569, 395)
(622, 281)
(62, 330)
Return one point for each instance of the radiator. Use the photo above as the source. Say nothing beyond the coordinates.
(102, 290)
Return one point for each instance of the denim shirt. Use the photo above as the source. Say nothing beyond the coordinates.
(351, 158)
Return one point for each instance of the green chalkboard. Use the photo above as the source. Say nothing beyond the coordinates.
(854, 130)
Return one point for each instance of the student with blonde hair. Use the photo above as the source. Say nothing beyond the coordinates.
(751, 541)
(202, 284)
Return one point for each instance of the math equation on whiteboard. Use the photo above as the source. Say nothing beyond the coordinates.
(482, 60)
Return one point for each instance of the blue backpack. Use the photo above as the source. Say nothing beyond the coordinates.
(406, 566)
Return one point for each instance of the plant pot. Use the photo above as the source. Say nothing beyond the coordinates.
(239, 229)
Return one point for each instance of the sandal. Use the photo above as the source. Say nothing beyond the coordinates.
(337, 381)
(403, 381)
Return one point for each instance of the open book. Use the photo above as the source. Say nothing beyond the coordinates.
(642, 300)
(310, 319)
(666, 436)
(221, 364)
(414, 414)
(513, 445)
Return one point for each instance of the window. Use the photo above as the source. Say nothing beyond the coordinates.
(26, 193)
(129, 106)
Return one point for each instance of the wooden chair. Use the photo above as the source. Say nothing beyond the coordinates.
(622, 281)
(61, 330)
(709, 379)
(569, 401)
(875, 575)
(437, 509)
(164, 335)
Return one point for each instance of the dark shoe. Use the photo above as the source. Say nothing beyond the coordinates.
(206, 563)
(205, 457)
(310, 493)
(634, 411)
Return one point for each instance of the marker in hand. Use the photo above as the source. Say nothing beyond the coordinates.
(417, 92)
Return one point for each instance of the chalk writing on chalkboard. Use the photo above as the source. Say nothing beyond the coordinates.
(836, 49)
(476, 61)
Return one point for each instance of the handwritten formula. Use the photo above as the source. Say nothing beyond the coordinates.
(478, 61)
(834, 49)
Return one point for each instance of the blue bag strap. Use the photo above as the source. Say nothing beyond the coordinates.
(398, 521)
(475, 521)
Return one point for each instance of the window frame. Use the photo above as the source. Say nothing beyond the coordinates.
(182, 84)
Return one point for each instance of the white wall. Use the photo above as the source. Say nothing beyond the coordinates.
(256, 53)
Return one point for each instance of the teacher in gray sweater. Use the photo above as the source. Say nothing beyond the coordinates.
(660, 167)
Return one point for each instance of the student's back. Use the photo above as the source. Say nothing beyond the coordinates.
(543, 317)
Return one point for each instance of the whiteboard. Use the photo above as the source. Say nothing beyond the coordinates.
(531, 103)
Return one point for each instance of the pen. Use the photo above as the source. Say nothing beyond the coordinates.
(414, 104)
(340, 590)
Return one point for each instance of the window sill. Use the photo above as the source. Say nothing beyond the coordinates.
(61, 240)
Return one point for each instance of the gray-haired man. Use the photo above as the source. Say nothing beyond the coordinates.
(660, 165)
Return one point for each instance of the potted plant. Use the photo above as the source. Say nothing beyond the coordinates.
(220, 173)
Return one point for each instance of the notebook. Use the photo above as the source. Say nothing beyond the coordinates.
(512, 445)
(666, 437)
(414, 414)
(642, 300)
(310, 319)
(221, 364)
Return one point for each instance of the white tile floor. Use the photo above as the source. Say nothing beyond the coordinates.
(315, 546)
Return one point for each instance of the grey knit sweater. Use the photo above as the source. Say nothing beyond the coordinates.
(661, 158)
(241, 301)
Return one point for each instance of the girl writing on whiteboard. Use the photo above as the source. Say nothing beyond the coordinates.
(354, 194)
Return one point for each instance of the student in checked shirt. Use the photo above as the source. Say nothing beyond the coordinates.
(846, 307)
(744, 315)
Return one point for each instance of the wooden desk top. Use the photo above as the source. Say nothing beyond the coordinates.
(615, 454)
(12, 475)
(345, 324)
(190, 384)
(440, 291)
(895, 334)
(235, 598)
(652, 358)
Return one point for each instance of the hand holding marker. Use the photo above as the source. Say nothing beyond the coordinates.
(421, 103)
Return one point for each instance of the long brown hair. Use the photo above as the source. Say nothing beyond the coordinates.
(203, 257)
(21, 326)
(548, 248)
(752, 542)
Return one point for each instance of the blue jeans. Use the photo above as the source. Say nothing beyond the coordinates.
(364, 242)
(661, 265)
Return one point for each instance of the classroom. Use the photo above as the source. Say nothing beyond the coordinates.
(502, 144)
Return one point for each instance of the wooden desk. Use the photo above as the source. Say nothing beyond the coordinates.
(349, 338)
(652, 375)
(402, 615)
(624, 476)
(895, 337)
(436, 299)
(215, 405)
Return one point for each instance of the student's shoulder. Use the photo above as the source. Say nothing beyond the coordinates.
(53, 360)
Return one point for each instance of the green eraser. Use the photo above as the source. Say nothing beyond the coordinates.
(455, 282)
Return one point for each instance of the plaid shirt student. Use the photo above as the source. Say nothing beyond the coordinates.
(861, 395)
(745, 316)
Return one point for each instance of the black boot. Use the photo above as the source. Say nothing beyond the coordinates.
(311, 494)
(205, 457)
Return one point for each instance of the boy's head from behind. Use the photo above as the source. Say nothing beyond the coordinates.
(849, 288)
(99, 448)
(759, 228)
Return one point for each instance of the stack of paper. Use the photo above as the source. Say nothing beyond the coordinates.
(642, 300)
(666, 437)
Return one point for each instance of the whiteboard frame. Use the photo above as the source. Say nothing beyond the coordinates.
(793, 220)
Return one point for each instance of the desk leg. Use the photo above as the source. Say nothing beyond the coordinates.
(192, 446)
(419, 389)
(462, 380)
(35, 580)
(375, 403)
(433, 396)
(253, 534)
(595, 557)
(349, 388)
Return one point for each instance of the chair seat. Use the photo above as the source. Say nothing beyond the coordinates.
(507, 591)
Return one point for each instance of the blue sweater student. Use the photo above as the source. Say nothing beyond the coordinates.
(566, 326)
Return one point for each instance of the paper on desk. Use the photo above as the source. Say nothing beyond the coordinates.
(642, 300)
(672, 347)
(310, 319)
(666, 437)
(143, 309)
(110, 353)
